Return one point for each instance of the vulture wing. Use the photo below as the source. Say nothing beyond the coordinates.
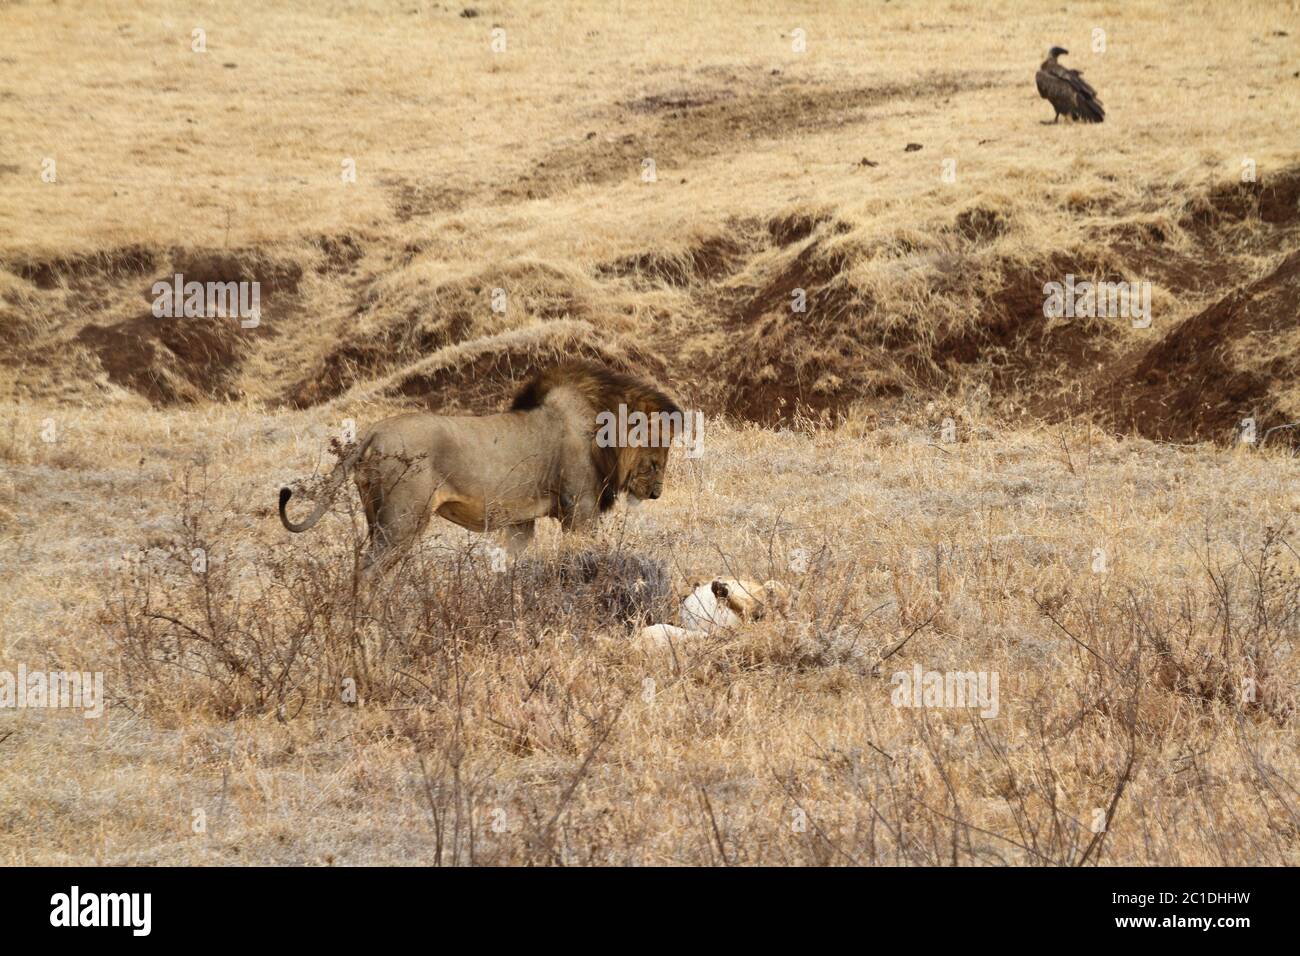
(1069, 92)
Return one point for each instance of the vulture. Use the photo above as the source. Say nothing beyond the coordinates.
(1067, 91)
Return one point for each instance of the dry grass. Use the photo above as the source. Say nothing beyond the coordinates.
(509, 717)
(227, 687)
(522, 171)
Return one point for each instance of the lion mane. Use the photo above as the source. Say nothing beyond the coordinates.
(605, 390)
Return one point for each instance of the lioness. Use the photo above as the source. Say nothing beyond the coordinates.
(716, 606)
(502, 472)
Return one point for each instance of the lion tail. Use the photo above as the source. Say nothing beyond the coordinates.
(336, 479)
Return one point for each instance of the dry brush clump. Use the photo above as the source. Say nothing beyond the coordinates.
(235, 629)
(1148, 682)
(536, 730)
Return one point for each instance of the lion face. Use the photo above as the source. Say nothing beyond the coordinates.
(726, 602)
(647, 477)
(748, 600)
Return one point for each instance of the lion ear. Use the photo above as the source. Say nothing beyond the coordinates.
(720, 589)
(777, 593)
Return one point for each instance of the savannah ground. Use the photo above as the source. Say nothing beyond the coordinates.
(945, 477)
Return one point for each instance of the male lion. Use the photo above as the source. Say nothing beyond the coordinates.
(502, 472)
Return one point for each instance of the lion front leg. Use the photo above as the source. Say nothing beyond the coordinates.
(575, 506)
(518, 537)
(581, 513)
(563, 511)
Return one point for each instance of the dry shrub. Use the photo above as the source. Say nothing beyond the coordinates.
(1148, 665)
(239, 629)
(521, 699)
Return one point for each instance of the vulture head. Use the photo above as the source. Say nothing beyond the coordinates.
(1056, 51)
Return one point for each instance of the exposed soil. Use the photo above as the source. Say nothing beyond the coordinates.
(1216, 369)
(676, 126)
(773, 323)
(672, 128)
(166, 360)
(171, 361)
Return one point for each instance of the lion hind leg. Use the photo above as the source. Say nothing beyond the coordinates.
(396, 525)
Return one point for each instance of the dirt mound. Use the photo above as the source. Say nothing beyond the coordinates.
(81, 315)
(788, 338)
(1019, 347)
(171, 361)
(1237, 359)
(761, 318)
(820, 320)
(976, 318)
(274, 274)
(129, 263)
(848, 346)
(796, 226)
(702, 262)
(405, 317)
(476, 376)
(729, 319)
(709, 257)
(1273, 198)
(63, 271)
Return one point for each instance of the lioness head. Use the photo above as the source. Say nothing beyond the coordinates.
(748, 600)
(724, 603)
